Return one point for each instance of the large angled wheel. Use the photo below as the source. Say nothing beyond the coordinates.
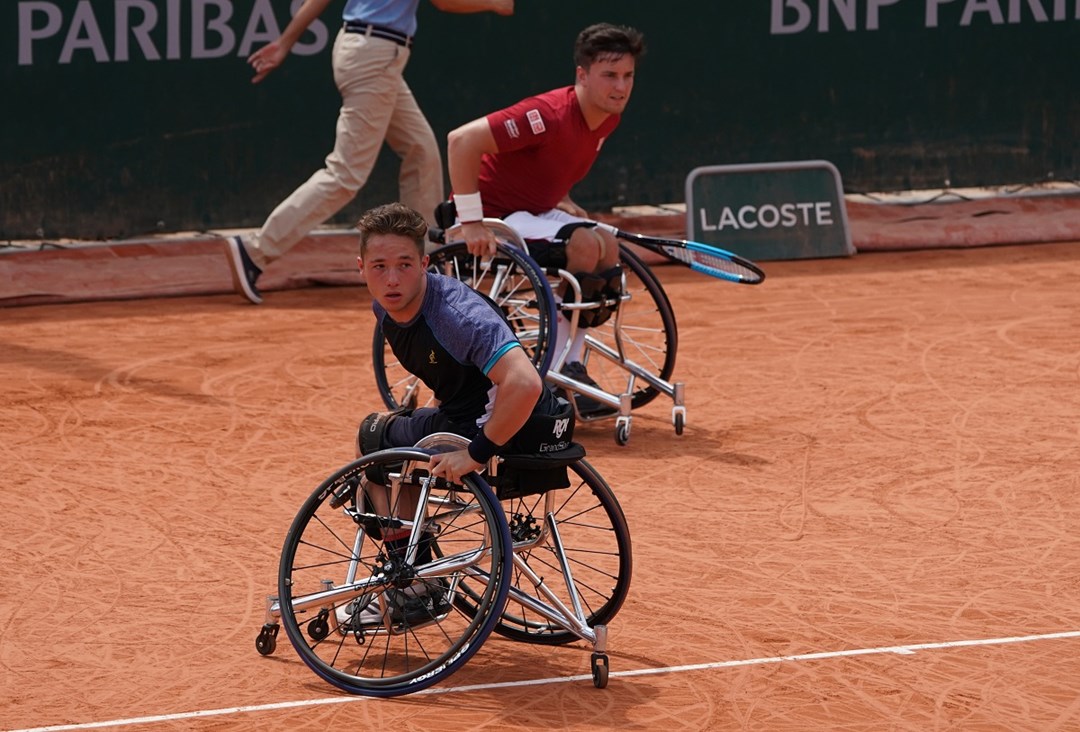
(596, 541)
(510, 279)
(380, 618)
(645, 328)
(596, 544)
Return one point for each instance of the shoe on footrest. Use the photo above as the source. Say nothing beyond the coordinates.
(363, 612)
(586, 406)
(420, 602)
(576, 370)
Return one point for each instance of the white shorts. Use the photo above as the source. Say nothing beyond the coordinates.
(541, 226)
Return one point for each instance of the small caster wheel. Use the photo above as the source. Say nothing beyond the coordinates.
(622, 433)
(319, 628)
(680, 423)
(266, 642)
(599, 670)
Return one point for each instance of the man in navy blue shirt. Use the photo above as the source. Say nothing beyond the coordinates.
(458, 343)
(455, 341)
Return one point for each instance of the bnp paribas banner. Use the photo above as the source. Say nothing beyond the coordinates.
(123, 31)
(123, 117)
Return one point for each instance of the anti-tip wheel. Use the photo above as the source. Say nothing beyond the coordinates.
(319, 627)
(266, 642)
(599, 670)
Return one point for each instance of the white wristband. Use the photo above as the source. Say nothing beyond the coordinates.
(469, 208)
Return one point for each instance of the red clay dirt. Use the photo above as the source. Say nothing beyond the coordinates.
(880, 466)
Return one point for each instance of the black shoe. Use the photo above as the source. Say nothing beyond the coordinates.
(244, 271)
(418, 603)
(586, 406)
(576, 370)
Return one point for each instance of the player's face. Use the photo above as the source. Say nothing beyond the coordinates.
(394, 271)
(607, 83)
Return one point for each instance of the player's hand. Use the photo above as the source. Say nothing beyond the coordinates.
(453, 465)
(478, 238)
(571, 208)
(266, 59)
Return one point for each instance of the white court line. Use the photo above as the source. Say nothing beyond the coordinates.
(902, 650)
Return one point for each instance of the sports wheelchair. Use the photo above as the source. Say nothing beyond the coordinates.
(630, 343)
(536, 549)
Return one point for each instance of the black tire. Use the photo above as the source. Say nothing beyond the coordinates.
(328, 550)
(510, 279)
(596, 540)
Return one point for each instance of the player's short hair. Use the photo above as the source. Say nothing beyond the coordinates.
(392, 218)
(604, 41)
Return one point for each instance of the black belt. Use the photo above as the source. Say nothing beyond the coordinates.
(378, 31)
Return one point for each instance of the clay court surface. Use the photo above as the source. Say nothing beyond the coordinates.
(871, 522)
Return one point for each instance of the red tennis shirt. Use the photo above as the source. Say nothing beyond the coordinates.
(545, 147)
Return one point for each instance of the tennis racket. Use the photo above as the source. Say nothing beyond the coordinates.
(704, 258)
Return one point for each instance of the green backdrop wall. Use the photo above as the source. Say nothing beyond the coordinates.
(123, 117)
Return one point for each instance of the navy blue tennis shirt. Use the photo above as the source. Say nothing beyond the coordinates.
(451, 345)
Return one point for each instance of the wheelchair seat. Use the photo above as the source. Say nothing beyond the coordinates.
(529, 474)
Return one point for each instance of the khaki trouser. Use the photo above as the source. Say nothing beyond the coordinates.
(377, 105)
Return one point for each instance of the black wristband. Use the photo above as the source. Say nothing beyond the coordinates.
(481, 449)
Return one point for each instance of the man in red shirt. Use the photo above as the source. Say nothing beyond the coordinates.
(519, 164)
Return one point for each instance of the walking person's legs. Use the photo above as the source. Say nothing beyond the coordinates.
(410, 136)
(368, 75)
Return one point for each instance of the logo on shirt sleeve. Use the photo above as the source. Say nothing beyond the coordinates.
(536, 122)
(511, 128)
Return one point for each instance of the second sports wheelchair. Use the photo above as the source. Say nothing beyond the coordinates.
(537, 550)
(629, 346)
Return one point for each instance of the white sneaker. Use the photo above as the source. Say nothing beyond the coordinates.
(419, 602)
(359, 613)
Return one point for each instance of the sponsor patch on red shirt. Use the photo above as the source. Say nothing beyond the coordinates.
(536, 122)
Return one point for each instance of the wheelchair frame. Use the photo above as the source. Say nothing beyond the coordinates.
(493, 563)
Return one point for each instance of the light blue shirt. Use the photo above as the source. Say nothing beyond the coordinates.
(397, 14)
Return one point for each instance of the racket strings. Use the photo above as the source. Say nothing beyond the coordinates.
(713, 262)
